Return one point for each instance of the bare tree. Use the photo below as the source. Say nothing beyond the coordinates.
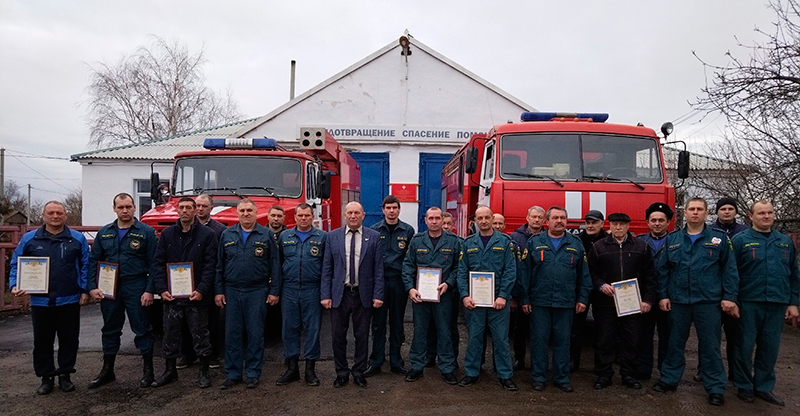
(760, 98)
(157, 92)
(73, 203)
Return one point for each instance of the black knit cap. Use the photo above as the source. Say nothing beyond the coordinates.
(727, 201)
(659, 207)
(619, 217)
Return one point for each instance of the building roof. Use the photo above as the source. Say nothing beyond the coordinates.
(164, 148)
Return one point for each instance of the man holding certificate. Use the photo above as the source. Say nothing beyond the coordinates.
(183, 273)
(429, 275)
(248, 277)
(487, 272)
(51, 264)
(556, 288)
(119, 277)
(620, 257)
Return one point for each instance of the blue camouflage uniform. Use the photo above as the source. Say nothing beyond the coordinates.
(769, 282)
(696, 277)
(247, 273)
(557, 279)
(395, 247)
(301, 271)
(656, 317)
(422, 253)
(496, 256)
(133, 254)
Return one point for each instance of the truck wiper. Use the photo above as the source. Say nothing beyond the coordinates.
(231, 190)
(529, 175)
(263, 188)
(611, 178)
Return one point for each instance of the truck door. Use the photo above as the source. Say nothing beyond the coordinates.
(487, 172)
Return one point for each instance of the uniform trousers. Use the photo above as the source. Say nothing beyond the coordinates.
(64, 320)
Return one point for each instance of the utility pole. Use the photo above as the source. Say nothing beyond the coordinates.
(29, 206)
(2, 172)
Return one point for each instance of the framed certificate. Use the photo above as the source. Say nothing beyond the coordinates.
(33, 274)
(107, 278)
(181, 279)
(428, 281)
(481, 288)
(627, 298)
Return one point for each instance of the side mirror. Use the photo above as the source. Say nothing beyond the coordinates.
(324, 184)
(683, 164)
(155, 193)
(471, 164)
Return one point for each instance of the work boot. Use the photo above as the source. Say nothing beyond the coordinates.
(204, 380)
(170, 374)
(65, 384)
(311, 373)
(47, 386)
(106, 373)
(292, 372)
(147, 371)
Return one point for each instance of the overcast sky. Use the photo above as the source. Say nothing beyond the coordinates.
(632, 59)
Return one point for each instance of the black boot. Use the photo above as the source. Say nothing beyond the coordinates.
(311, 373)
(292, 372)
(106, 373)
(147, 371)
(204, 379)
(65, 384)
(170, 374)
(47, 386)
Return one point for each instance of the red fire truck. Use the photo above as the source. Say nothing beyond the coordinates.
(321, 174)
(577, 161)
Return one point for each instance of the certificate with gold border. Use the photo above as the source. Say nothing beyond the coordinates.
(627, 298)
(181, 279)
(107, 279)
(481, 289)
(428, 281)
(33, 274)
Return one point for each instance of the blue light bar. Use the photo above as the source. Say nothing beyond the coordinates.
(236, 143)
(542, 116)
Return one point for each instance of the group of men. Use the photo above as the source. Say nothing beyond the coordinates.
(543, 277)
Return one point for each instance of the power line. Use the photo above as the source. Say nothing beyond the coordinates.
(40, 174)
(49, 191)
(36, 177)
(34, 155)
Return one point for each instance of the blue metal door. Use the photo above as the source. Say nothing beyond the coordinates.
(430, 180)
(374, 183)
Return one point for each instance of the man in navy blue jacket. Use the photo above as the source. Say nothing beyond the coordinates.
(57, 311)
(184, 242)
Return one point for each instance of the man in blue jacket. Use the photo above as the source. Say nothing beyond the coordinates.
(186, 241)
(769, 291)
(131, 246)
(248, 277)
(57, 311)
(696, 277)
(301, 250)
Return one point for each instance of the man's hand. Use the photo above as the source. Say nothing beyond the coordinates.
(580, 307)
(96, 294)
(166, 296)
(196, 296)
(414, 295)
(607, 290)
(792, 315)
(665, 305)
(17, 292)
(499, 303)
(646, 307)
(273, 300)
(442, 289)
(219, 300)
(377, 303)
(326, 303)
(84, 298)
(527, 309)
(730, 308)
(147, 299)
(468, 303)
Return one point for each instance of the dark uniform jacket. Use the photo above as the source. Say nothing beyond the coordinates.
(730, 229)
(703, 272)
(217, 226)
(649, 240)
(253, 264)
(497, 256)
(301, 262)
(556, 278)
(198, 246)
(422, 254)
(767, 266)
(611, 261)
(395, 247)
(134, 254)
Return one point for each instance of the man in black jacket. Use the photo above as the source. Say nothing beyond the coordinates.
(187, 241)
(618, 257)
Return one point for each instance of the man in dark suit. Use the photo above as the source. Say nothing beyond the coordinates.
(352, 284)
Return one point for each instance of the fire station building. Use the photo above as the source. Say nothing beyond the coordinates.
(401, 112)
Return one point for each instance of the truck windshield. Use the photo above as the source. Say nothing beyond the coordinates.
(580, 156)
(238, 175)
